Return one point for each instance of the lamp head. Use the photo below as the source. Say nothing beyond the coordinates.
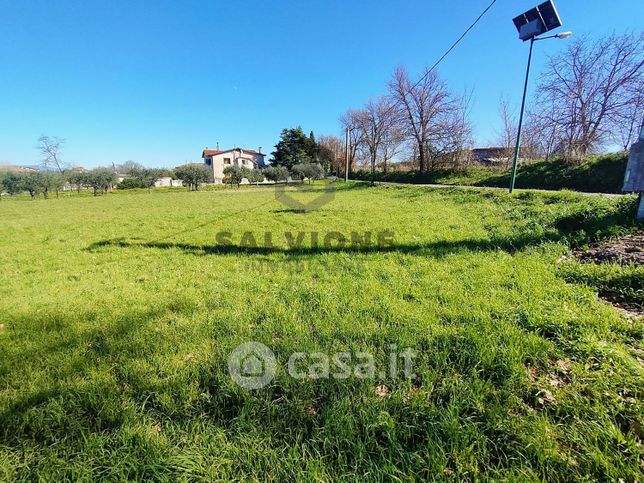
(563, 35)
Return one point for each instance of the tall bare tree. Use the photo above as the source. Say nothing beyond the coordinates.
(458, 141)
(507, 135)
(543, 130)
(589, 86)
(50, 148)
(392, 143)
(349, 121)
(629, 121)
(376, 122)
(426, 106)
(332, 149)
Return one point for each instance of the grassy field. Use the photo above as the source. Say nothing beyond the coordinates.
(600, 174)
(118, 313)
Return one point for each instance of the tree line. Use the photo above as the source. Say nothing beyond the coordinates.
(101, 180)
(300, 171)
(587, 97)
(45, 182)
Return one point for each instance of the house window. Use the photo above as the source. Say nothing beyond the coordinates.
(245, 162)
(226, 160)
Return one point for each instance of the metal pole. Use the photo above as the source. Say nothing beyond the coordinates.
(516, 147)
(346, 154)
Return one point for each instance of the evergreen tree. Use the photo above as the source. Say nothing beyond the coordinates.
(293, 148)
(312, 148)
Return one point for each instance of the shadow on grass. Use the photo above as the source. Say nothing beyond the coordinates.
(290, 210)
(584, 226)
(435, 249)
(74, 349)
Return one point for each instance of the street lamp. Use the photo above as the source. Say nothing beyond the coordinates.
(534, 22)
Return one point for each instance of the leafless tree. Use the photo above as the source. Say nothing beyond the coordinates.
(349, 120)
(426, 106)
(589, 86)
(392, 143)
(376, 122)
(506, 137)
(458, 141)
(333, 148)
(533, 134)
(543, 130)
(537, 140)
(50, 149)
(629, 121)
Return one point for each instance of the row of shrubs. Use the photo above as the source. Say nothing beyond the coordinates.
(104, 179)
(46, 182)
(310, 171)
(195, 174)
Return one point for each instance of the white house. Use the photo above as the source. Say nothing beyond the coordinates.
(217, 160)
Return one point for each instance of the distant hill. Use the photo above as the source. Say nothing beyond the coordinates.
(27, 167)
(16, 169)
(40, 167)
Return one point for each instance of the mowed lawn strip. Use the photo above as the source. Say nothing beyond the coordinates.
(119, 312)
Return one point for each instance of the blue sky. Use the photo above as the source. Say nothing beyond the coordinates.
(157, 81)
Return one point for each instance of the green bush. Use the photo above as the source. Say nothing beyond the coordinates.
(131, 183)
(276, 173)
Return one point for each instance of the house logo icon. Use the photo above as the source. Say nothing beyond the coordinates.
(252, 365)
(321, 196)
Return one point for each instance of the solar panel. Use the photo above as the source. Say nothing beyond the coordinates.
(549, 15)
(537, 20)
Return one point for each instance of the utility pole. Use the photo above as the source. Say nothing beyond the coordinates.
(346, 154)
(518, 143)
(536, 21)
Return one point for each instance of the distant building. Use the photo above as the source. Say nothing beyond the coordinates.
(217, 160)
(489, 156)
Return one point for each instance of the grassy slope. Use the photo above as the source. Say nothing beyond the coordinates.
(118, 317)
(602, 174)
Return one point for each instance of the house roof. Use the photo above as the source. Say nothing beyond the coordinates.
(214, 152)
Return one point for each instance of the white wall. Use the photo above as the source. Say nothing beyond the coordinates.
(168, 181)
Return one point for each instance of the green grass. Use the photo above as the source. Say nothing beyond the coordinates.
(118, 314)
(601, 174)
